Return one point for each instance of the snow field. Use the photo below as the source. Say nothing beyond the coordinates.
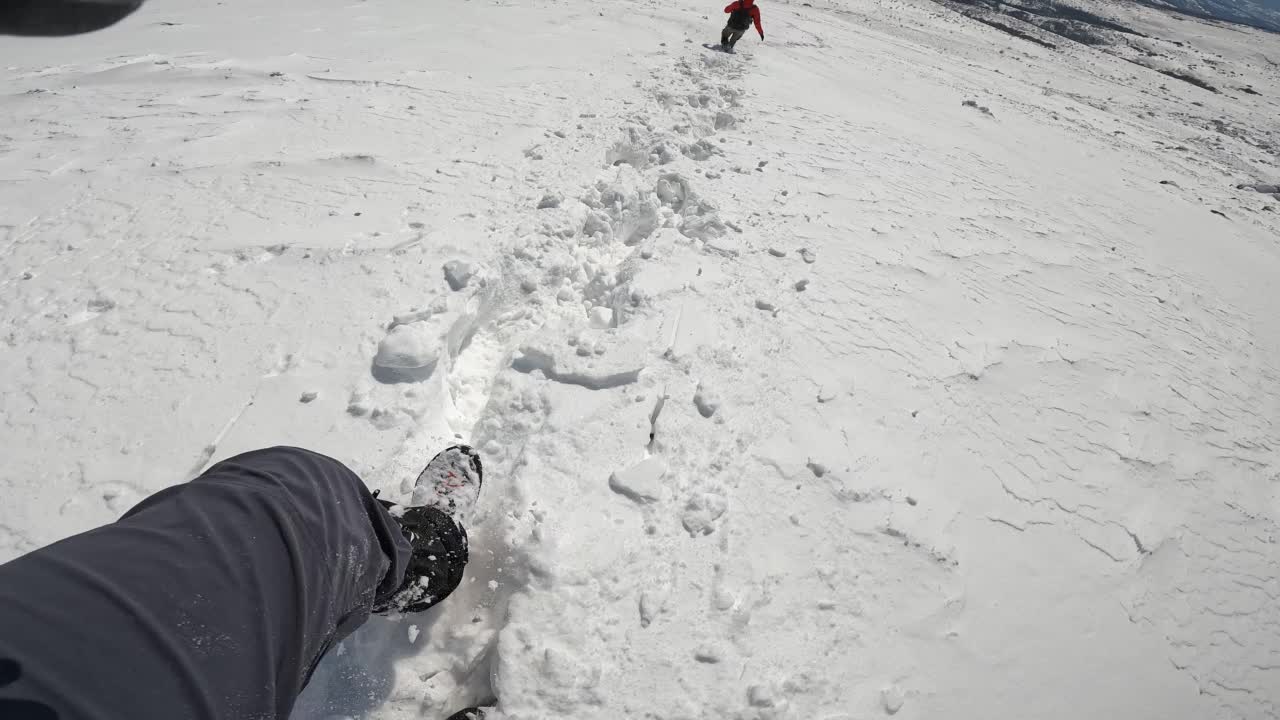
(804, 388)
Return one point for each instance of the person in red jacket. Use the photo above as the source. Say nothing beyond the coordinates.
(742, 13)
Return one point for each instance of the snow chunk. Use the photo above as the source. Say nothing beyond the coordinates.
(892, 698)
(458, 273)
(701, 150)
(761, 696)
(641, 482)
(672, 191)
(710, 654)
(702, 511)
(589, 368)
(707, 401)
(358, 405)
(601, 317)
(408, 353)
(651, 604)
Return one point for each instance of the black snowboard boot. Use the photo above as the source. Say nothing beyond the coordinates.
(446, 492)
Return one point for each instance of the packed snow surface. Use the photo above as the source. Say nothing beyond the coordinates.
(894, 366)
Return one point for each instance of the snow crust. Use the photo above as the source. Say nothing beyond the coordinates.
(895, 366)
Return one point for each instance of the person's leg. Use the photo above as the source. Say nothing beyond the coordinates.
(735, 36)
(211, 599)
(62, 17)
(724, 35)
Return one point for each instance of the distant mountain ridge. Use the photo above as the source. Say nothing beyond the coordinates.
(1264, 14)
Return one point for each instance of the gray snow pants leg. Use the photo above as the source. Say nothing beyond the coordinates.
(62, 17)
(731, 35)
(211, 600)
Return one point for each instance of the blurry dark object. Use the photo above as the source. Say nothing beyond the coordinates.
(61, 17)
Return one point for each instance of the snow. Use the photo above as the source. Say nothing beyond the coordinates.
(803, 388)
(642, 482)
(408, 353)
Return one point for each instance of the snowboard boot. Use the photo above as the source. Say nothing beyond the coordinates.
(446, 491)
(450, 482)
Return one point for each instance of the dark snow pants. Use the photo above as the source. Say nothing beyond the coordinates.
(731, 35)
(61, 17)
(210, 600)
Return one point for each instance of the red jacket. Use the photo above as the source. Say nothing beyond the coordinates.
(749, 6)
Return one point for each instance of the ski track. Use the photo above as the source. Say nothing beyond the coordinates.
(578, 258)
(796, 399)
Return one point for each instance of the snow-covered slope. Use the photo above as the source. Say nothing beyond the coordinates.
(805, 388)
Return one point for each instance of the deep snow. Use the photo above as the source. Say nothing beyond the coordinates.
(804, 389)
